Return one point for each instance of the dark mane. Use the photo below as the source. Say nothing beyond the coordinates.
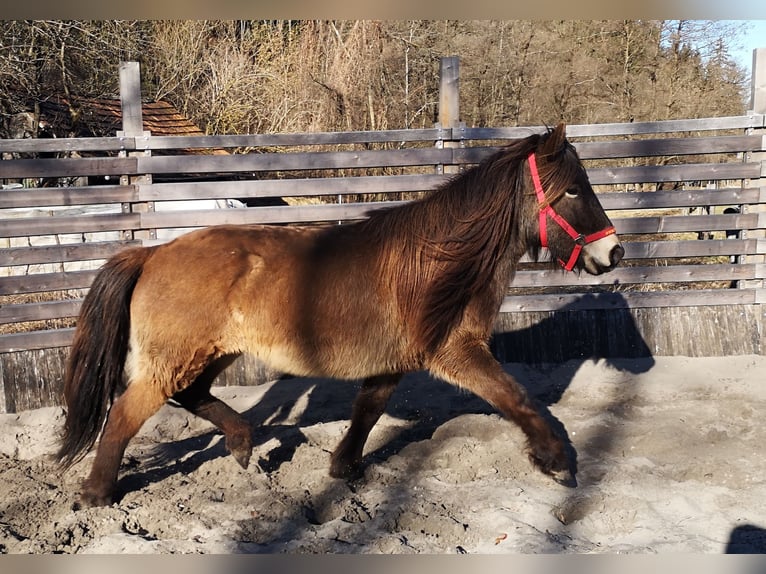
(455, 243)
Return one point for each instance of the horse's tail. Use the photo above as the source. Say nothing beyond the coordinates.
(94, 371)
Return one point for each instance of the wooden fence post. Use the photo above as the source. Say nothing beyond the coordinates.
(758, 106)
(449, 105)
(133, 127)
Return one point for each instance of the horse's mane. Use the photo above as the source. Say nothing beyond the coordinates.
(439, 252)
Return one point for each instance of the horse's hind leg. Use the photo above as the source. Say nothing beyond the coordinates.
(468, 363)
(128, 413)
(369, 405)
(197, 399)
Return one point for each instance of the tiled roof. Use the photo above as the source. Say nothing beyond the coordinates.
(103, 117)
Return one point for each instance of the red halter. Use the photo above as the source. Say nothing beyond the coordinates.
(546, 210)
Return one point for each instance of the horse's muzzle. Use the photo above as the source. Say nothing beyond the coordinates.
(602, 255)
(616, 254)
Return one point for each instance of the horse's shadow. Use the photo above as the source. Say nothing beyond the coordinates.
(325, 400)
(747, 539)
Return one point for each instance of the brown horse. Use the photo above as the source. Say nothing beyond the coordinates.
(417, 286)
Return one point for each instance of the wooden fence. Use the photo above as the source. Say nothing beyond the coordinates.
(685, 195)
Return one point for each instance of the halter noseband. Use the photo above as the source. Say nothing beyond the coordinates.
(547, 211)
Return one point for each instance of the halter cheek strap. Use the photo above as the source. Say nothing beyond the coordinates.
(546, 211)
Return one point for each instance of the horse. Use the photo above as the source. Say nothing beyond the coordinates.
(413, 287)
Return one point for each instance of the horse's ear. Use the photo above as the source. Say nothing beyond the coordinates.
(555, 140)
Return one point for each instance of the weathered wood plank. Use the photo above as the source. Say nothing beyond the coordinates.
(297, 139)
(54, 196)
(15, 342)
(685, 223)
(619, 149)
(24, 227)
(673, 173)
(267, 214)
(681, 198)
(620, 129)
(290, 187)
(37, 145)
(254, 162)
(41, 282)
(62, 253)
(668, 147)
(44, 311)
(690, 248)
(628, 299)
(69, 167)
(639, 275)
(32, 379)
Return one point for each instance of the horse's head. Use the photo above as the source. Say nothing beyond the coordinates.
(572, 223)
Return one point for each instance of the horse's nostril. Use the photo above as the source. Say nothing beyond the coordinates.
(616, 255)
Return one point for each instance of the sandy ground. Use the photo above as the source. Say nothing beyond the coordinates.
(669, 454)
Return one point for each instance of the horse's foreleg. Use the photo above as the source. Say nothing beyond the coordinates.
(469, 364)
(128, 413)
(197, 399)
(369, 405)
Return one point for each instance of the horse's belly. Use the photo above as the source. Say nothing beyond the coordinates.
(323, 357)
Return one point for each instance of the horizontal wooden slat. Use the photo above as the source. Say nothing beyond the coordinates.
(44, 311)
(53, 338)
(70, 167)
(255, 162)
(36, 145)
(672, 173)
(23, 227)
(667, 126)
(267, 214)
(668, 147)
(683, 223)
(691, 248)
(657, 147)
(297, 139)
(629, 300)
(61, 253)
(289, 187)
(619, 129)
(54, 196)
(40, 282)
(681, 198)
(643, 275)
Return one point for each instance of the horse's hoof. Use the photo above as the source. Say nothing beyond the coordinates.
(345, 470)
(91, 500)
(242, 456)
(241, 448)
(565, 478)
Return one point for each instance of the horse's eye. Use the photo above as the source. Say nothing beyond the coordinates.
(573, 191)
